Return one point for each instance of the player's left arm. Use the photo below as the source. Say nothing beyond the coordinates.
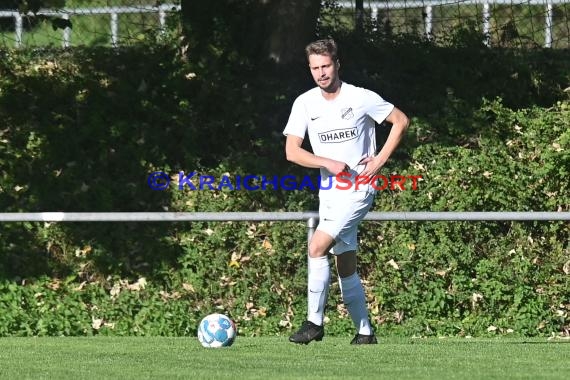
(400, 123)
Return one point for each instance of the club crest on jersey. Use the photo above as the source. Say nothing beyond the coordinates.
(346, 113)
(338, 135)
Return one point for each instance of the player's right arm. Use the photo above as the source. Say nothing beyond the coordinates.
(295, 153)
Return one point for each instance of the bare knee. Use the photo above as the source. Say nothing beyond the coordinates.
(316, 250)
(320, 244)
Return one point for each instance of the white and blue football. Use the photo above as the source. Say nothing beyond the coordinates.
(217, 330)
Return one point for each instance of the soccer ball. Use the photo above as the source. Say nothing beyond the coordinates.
(217, 330)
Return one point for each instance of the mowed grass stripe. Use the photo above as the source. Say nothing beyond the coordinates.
(275, 357)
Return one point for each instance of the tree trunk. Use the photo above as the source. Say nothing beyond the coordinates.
(359, 15)
(262, 30)
(293, 27)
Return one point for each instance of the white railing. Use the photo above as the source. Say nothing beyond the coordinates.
(278, 216)
(311, 217)
(428, 5)
(373, 6)
(114, 12)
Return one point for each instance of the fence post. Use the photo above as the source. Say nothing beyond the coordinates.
(311, 225)
(486, 24)
(19, 28)
(66, 32)
(114, 29)
(548, 26)
(162, 17)
(375, 17)
(428, 20)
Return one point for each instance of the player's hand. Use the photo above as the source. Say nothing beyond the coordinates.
(336, 167)
(373, 166)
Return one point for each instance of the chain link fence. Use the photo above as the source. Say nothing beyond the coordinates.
(511, 23)
(529, 23)
(86, 23)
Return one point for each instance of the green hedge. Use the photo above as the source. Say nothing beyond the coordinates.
(82, 130)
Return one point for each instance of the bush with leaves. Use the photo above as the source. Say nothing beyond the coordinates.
(83, 129)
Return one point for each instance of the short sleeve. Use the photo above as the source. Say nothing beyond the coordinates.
(376, 107)
(297, 124)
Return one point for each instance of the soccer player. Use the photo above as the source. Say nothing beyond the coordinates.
(340, 120)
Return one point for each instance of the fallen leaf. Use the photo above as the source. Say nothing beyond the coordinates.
(266, 244)
(393, 264)
(115, 290)
(139, 285)
(96, 323)
(566, 267)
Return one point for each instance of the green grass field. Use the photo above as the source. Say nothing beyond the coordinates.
(276, 358)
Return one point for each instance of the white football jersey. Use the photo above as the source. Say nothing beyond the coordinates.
(343, 129)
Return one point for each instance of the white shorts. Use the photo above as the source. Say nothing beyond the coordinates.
(339, 217)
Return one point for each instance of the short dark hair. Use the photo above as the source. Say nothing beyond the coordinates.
(323, 47)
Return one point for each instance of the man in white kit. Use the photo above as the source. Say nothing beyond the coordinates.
(340, 120)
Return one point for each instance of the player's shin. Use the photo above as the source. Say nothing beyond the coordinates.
(355, 301)
(318, 286)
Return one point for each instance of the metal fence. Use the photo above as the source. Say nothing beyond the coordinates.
(544, 22)
(310, 217)
(113, 12)
(484, 8)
